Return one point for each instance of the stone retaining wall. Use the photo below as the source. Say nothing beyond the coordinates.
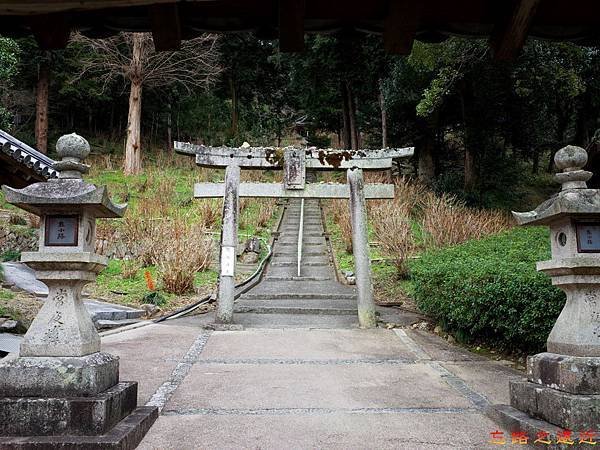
(17, 238)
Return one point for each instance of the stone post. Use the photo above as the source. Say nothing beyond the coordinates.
(61, 391)
(562, 390)
(360, 248)
(229, 242)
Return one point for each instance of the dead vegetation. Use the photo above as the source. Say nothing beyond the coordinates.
(417, 219)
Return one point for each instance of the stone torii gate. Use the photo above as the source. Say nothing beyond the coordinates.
(294, 163)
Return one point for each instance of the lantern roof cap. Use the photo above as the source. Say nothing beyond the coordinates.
(69, 191)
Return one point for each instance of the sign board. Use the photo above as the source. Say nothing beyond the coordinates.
(227, 261)
(588, 237)
(61, 231)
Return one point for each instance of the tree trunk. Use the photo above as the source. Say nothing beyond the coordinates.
(384, 138)
(352, 116)
(536, 160)
(41, 107)
(470, 172)
(346, 140)
(234, 108)
(169, 129)
(133, 147)
(425, 150)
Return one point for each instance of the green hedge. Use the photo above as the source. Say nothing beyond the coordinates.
(489, 290)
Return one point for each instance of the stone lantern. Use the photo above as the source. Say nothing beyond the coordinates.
(61, 389)
(562, 390)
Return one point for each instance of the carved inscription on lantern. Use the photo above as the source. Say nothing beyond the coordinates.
(588, 237)
(61, 231)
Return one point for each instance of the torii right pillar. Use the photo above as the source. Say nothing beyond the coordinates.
(561, 395)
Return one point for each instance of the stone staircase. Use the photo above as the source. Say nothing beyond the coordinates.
(316, 291)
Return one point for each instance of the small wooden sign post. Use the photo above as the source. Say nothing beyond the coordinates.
(294, 163)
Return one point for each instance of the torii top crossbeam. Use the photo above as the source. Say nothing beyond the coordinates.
(273, 157)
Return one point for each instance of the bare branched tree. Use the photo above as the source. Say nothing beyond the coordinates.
(131, 56)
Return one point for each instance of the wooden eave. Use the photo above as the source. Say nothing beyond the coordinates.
(505, 23)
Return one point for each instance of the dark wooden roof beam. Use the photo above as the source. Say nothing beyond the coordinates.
(51, 31)
(400, 25)
(508, 37)
(291, 25)
(166, 27)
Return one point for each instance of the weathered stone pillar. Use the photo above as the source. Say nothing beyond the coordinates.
(229, 242)
(61, 391)
(563, 384)
(360, 248)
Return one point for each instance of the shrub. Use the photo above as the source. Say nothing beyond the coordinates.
(10, 255)
(489, 289)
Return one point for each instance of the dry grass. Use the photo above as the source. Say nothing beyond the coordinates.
(392, 228)
(176, 247)
(443, 220)
(265, 212)
(447, 221)
(188, 251)
(130, 268)
(209, 212)
(340, 211)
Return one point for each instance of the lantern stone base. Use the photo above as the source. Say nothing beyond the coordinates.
(69, 402)
(573, 374)
(125, 435)
(58, 376)
(513, 420)
(48, 416)
(561, 393)
(569, 411)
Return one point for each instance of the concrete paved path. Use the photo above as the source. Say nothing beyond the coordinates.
(309, 387)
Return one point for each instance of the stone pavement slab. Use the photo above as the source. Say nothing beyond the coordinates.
(306, 344)
(309, 388)
(149, 354)
(477, 375)
(329, 384)
(335, 430)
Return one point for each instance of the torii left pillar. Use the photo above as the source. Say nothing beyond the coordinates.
(229, 243)
(360, 248)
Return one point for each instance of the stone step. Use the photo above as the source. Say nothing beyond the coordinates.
(293, 238)
(256, 309)
(316, 297)
(307, 249)
(320, 321)
(304, 263)
(292, 252)
(109, 311)
(307, 241)
(9, 343)
(306, 271)
(110, 324)
(272, 279)
(294, 234)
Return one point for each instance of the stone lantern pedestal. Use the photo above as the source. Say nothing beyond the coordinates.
(61, 391)
(562, 390)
